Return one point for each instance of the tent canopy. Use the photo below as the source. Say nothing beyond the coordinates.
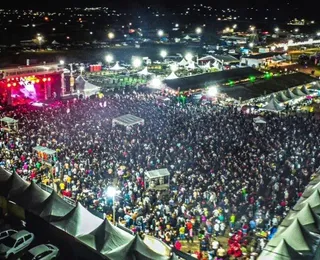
(116, 242)
(45, 150)
(172, 76)
(273, 105)
(282, 97)
(31, 197)
(144, 72)
(127, 120)
(8, 120)
(78, 222)
(290, 95)
(259, 120)
(296, 236)
(298, 92)
(117, 67)
(17, 186)
(282, 252)
(157, 173)
(53, 208)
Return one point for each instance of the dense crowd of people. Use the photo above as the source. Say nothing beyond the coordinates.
(228, 176)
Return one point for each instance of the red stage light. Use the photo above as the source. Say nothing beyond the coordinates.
(49, 79)
(12, 78)
(8, 79)
(37, 81)
(14, 84)
(44, 79)
(9, 85)
(17, 79)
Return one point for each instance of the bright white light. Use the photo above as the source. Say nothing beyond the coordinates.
(109, 58)
(273, 48)
(276, 29)
(296, 30)
(318, 33)
(163, 54)
(111, 191)
(188, 56)
(252, 28)
(251, 44)
(110, 35)
(61, 62)
(137, 63)
(177, 25)
(155, 83)
(174, 67)
(160, 33)
(212, 91)
(234, 26)
(198, 30)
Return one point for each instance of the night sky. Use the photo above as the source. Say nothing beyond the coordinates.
(306, 10)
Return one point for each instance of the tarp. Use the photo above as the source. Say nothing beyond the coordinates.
(53, 208)
(144, 72)
(143, 252)
(117, 67)
(31, 197)
(172, 76)
(282, 252)
(78, 222)
(116, 242)
(296, 236)
(273, 105)
(298, 92)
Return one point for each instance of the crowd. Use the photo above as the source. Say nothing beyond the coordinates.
(228, 176)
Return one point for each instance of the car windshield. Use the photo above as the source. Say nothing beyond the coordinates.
(9, 242)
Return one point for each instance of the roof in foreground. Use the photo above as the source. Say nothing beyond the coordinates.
(264, 55)
(128, 119)
(207, 79)
(267, 86)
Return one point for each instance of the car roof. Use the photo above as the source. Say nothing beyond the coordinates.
(38, 249)
(20, 234)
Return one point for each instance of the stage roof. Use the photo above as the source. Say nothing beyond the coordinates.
(207, 79)
(267, 86)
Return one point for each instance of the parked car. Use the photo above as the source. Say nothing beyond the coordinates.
(14, 244)
(42, 252)
(7, 233)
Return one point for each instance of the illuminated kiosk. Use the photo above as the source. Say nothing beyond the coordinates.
(127, 121)
(45, 153)
(157, 179)
(9, 124)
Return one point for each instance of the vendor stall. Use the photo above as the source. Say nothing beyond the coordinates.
(9, 124)
(127, 120)
(157, 179)
(45, 153)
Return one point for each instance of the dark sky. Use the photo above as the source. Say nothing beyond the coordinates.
(140, 4)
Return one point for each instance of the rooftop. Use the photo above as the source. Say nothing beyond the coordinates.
(207, 79)
(267, 86)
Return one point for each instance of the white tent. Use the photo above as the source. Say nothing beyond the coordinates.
(172, 76)
(127, 120)
(55, 43)
(206, 66)
(259, 120)
(183, 62)
(191, 66)
(85, 87)
(117, 67)
(187, 37)
(144, 72)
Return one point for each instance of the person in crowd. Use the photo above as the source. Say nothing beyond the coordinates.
(221, 167)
